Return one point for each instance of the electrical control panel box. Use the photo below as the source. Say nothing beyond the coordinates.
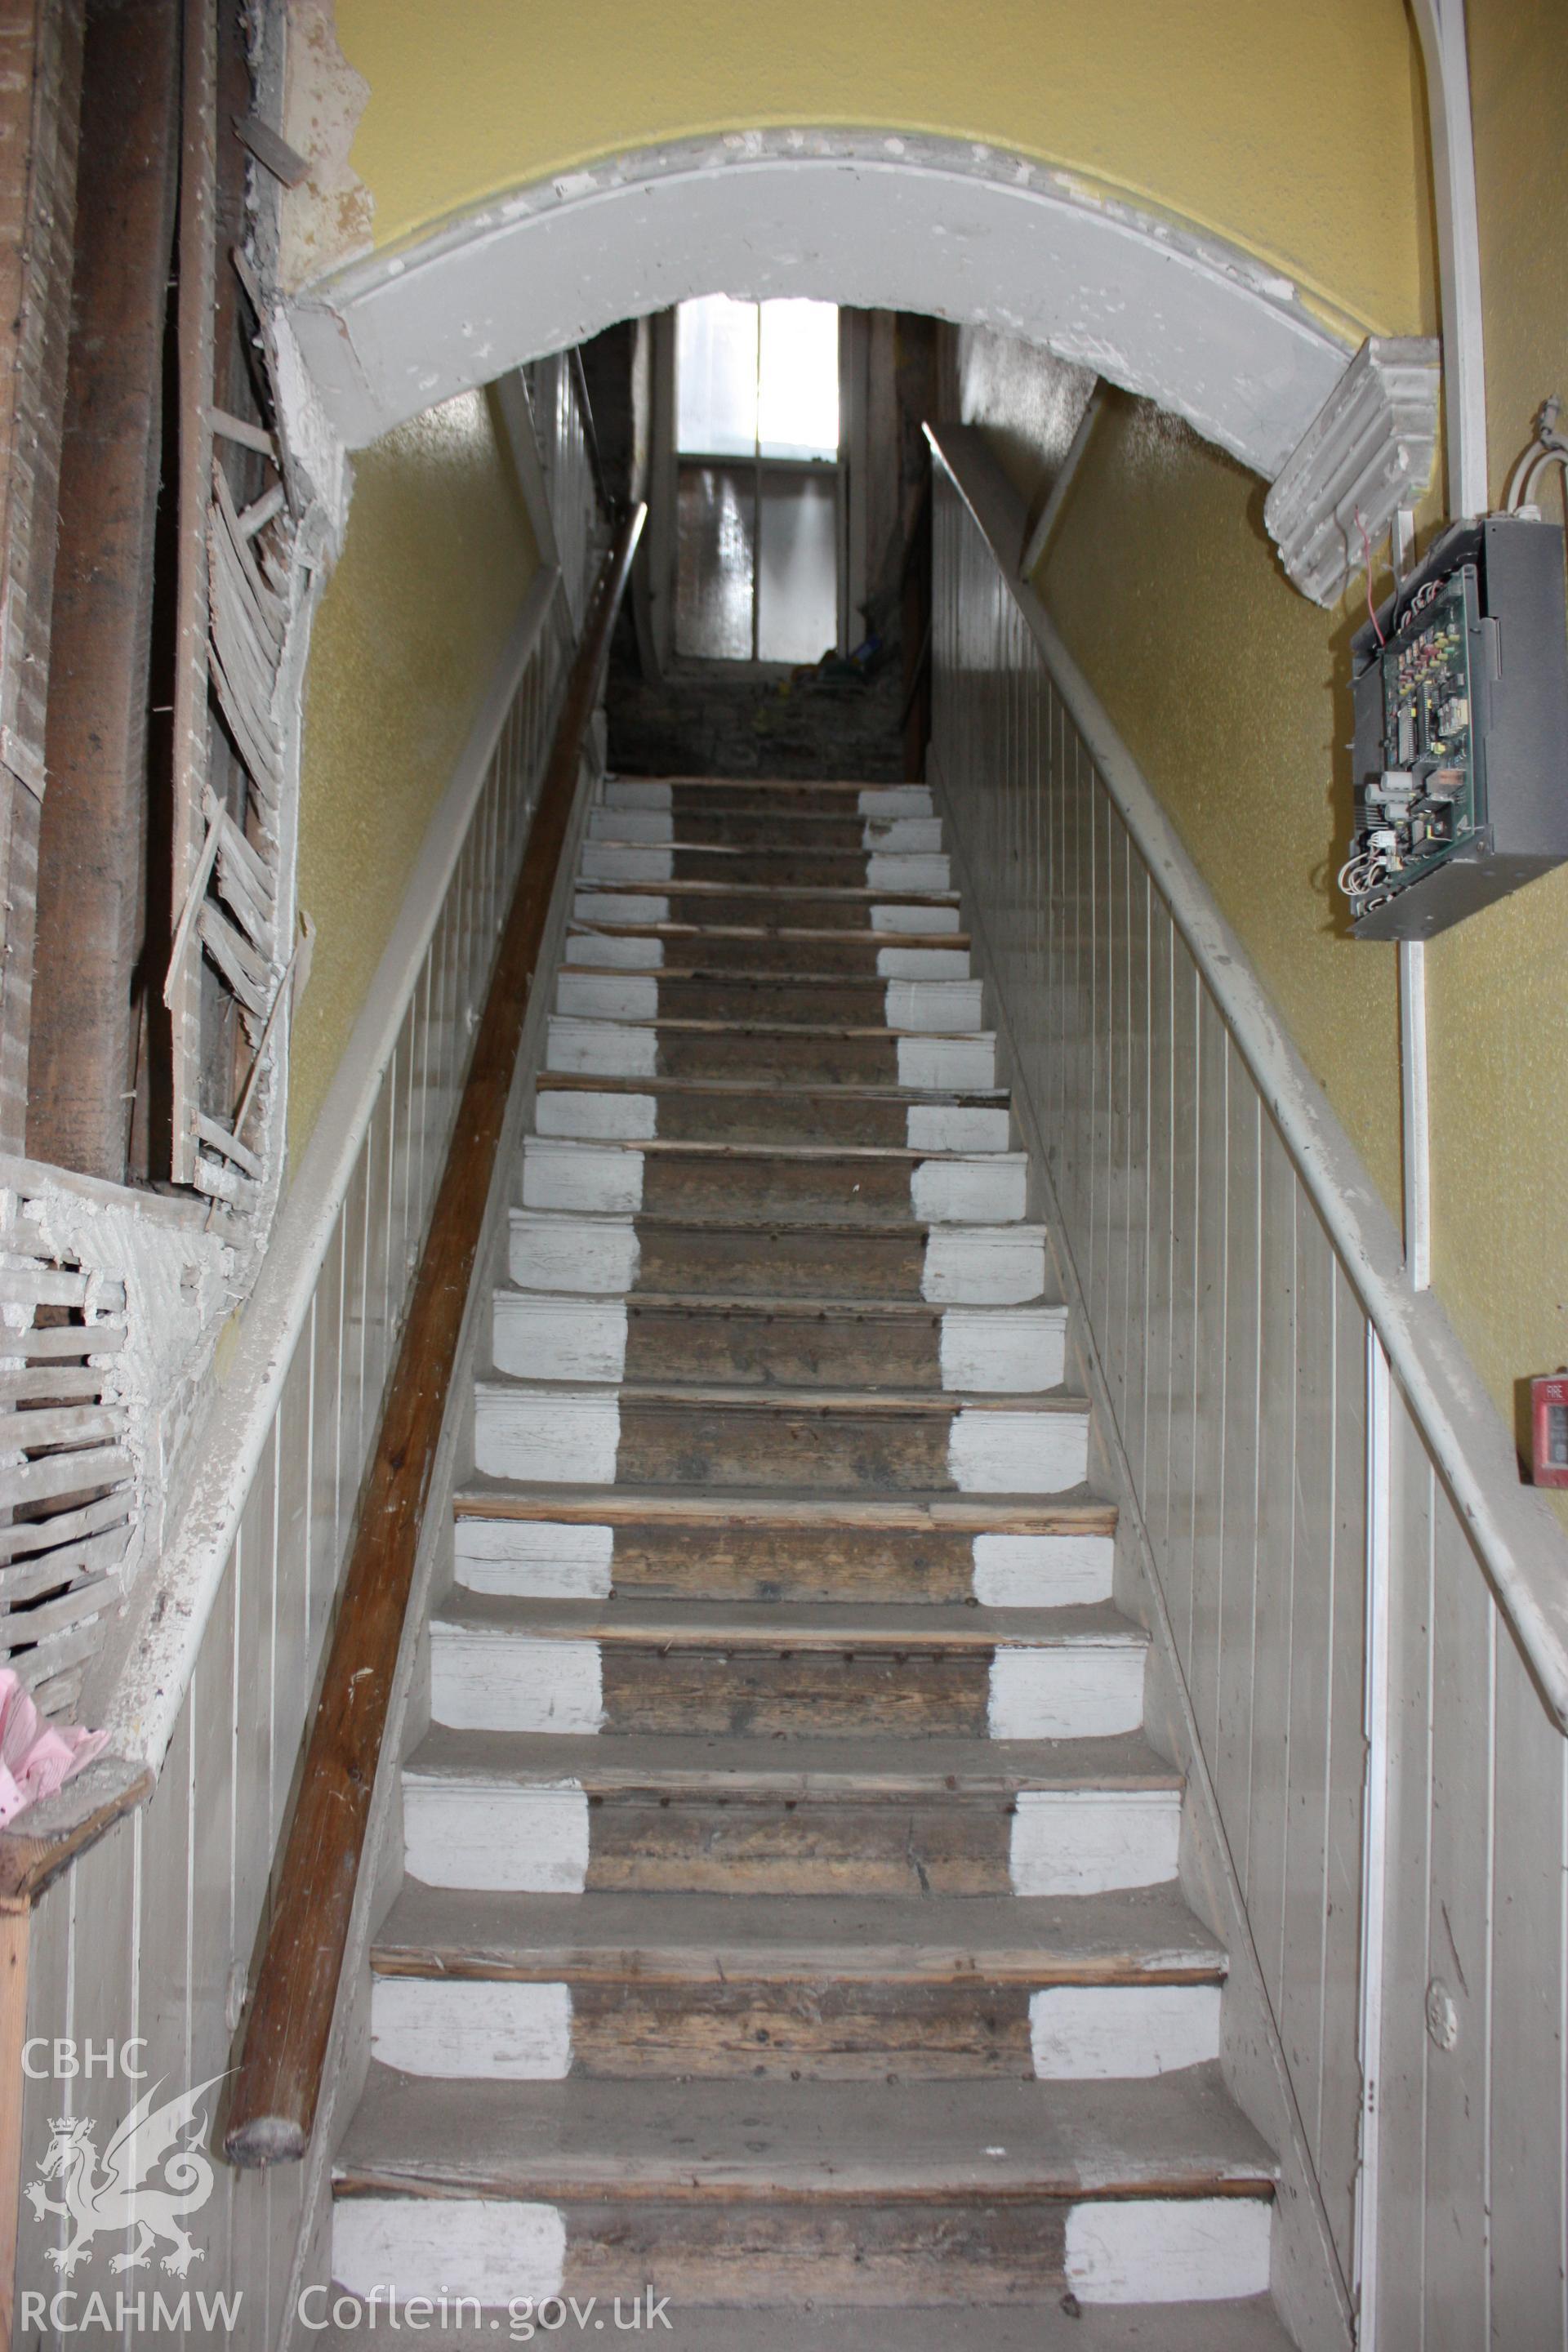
(1461, 732)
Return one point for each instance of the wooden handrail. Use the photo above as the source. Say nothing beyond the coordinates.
(285, 2040)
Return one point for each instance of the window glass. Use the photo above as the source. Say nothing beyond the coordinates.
(716, 377)
(798, 403)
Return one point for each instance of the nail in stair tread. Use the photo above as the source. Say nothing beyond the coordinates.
(860, 1769)
(796, 1625)
(1076, 1510)
(1132, 1934)
(1249, 2327)
(1177, 2135)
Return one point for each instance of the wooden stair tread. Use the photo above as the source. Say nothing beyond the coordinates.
(1078, 1512)
(745, 1304)
(720, 975)
(848, 853)
(1148, 1935)
(679, 1025)
(850, 1090)
(728, 1765)
(1177, 2135)
(769, 1222)
(697, 887)
(896, 1626)
(784, 786)
(583, 929)
(685, 1395)
(679, 1147)
(1245, 2327)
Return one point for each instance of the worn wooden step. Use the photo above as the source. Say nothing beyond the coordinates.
(802, 1343)
(795, 865)
(848, 1441)
(731, 1110)
(1142, 1936)
(824, 1183)
(965, 2192)
(532, 1987)
(728, 822)
(621, 938)
(561, 1542)
(1059, 2325)
(631, 1665)
(670, 1812)
(860, 1258)
(812, 999)
(764, 1051)
(876, 914)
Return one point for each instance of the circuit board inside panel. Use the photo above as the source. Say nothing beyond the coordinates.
(1430, 795)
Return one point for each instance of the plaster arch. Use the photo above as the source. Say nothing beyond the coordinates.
(875, 219)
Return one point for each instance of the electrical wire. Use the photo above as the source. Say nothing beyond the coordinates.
(1371, 607)
(1547, 448)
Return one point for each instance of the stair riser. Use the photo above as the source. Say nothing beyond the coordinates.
(955, 1350)
(934, 1005)
(583, 1439)
(960, 2251)
(794, 867)
(530, 1560)
(611, 1049)
(484, 2028)
(591, 1112)
(496, 1682)
(763, 910)
(556, 1840)
(954, 1265)
(598, 1339)
(686, 798)
(618, 1178)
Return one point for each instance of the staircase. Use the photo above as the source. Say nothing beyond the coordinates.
(791, 1922)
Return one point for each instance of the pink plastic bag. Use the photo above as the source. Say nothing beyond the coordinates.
(35, 1758)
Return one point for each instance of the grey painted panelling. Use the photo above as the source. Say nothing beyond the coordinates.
(1476, 2117)
(153, 1933)
(1234, 1349)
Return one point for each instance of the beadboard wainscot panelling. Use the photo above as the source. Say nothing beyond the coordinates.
(1226, 1288)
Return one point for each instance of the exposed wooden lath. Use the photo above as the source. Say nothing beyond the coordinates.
(240, 577)
(67, 1490)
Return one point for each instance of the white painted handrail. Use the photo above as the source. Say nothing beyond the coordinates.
(1517, 1541)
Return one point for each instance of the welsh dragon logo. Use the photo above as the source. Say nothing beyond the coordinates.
(123, 2195)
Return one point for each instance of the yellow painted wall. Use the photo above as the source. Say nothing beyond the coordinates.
(439, 556)
(1229, 690)
(1287, 131)
(1498, 984)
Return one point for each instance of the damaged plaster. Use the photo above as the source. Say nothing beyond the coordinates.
(179, 1270)
(941, 226)
(327, 220)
